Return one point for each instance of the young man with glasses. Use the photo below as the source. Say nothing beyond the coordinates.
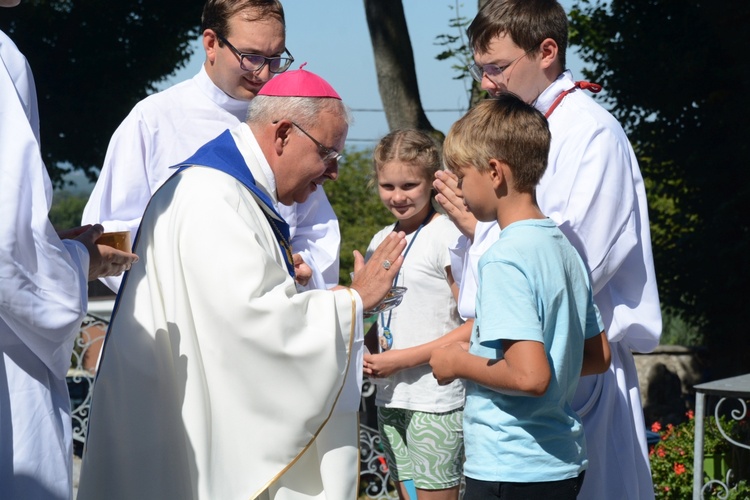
(218, 379)
(244, 42)
(593, 189)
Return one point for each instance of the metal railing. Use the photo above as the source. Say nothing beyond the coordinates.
(729, 389)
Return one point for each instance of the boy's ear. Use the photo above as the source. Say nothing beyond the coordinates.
(496, 173)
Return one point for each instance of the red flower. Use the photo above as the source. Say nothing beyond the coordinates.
(655, 427)
(679, 469)
(661, 452)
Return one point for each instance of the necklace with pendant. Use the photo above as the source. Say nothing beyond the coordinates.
(386, 340)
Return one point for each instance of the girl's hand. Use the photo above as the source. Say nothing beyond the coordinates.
(383, 364)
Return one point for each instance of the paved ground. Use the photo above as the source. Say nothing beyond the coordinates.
(76, 473)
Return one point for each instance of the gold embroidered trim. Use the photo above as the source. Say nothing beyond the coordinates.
(352, 329)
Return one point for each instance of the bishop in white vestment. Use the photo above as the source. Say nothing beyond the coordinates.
(217, 376)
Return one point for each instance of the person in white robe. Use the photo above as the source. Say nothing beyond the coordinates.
(593, 189)
(43, 299)
(217, 375)
(167, 127)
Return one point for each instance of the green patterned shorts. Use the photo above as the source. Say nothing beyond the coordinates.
(425, 447)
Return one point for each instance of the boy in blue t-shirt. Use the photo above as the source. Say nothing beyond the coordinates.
(537, 329)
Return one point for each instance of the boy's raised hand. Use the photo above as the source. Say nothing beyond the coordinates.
(451, 199)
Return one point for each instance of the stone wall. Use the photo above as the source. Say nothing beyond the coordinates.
(666, 377)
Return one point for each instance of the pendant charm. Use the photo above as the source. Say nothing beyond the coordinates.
(386, 340)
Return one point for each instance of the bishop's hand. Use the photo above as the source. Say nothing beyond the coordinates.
(374, 279)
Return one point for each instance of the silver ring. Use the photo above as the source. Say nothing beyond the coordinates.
(386, 264)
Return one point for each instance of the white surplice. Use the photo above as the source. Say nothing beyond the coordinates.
(43, 286)
(216, 375)
(165, 129)
(593, 189)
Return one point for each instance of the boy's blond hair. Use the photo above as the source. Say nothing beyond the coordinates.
(504, 128)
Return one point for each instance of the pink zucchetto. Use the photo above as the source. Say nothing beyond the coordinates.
(298, 83)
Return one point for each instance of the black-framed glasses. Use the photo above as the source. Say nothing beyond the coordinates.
(255, 62)
(492, 70)
(326, 154)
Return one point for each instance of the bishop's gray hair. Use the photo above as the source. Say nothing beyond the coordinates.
(304, 111)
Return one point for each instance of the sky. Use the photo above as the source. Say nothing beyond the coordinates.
(332, 37)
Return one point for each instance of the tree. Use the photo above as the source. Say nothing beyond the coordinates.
(456, 45)
(66, 210)
(356, 203)
(672, 77)
(394, 65)
(92, 61)
(394, 62)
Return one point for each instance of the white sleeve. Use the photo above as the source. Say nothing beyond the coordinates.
(123, 189)
(457, 252)
(44, 281)
(485, 234)
(598, 201)
(316, 237)
(598, 205)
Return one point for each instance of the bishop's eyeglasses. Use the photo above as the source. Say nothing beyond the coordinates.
(327, 154)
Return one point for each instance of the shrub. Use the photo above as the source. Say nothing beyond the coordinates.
(672, 458)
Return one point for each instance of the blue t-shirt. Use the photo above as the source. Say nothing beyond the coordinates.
(534, 286)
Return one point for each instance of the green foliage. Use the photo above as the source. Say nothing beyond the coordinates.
(676, 330)
(672, 457)
(92, 61)
(739, 492)
(671, 78)
(456, 47)
(360, 212)
(66, 210)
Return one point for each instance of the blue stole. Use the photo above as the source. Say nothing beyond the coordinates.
(222, 154)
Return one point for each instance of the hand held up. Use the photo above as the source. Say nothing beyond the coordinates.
(374, 279)
(451, 198)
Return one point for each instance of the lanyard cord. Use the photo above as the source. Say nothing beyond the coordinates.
(387, 325)
(593, 87)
